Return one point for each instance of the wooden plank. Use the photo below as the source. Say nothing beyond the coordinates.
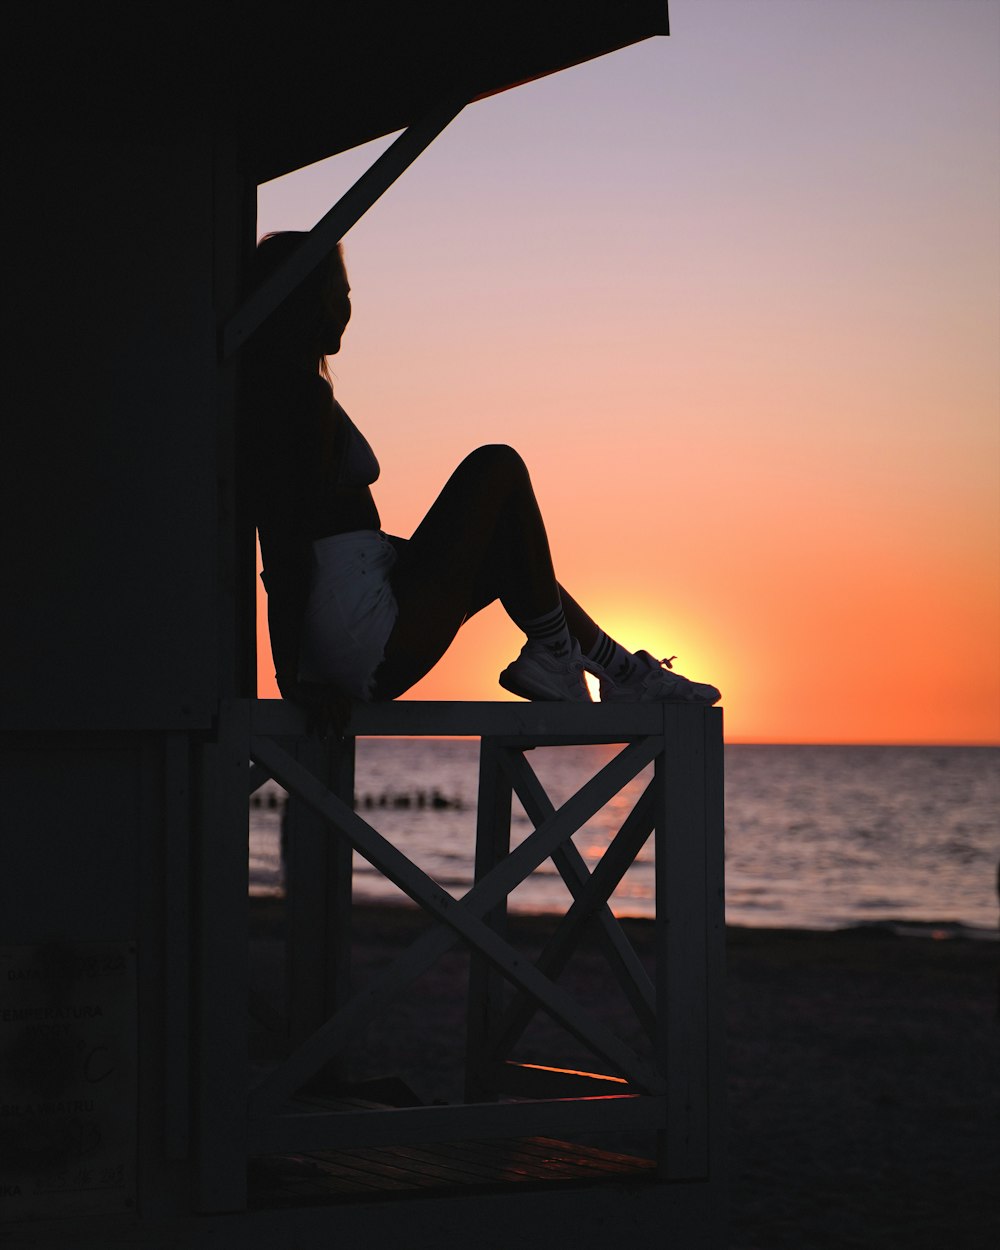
(525, 724)
(531, 1158)
(462, 917)
(306, 1173)
(449, 1166)
(403, 1164)
(354, 1170)
(587, 1163)
(503, 1160)
(498, 1160)
(321, 1131)
(234, 236)
(524, 1166)
(451, 1159)
(132, 1127)
(509, 1161)
(222, 965)
(383, 1169)
(178, 924)
(533, 1080)
(597, 1152)
(681, 940)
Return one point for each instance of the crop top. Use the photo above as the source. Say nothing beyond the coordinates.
(358, 465)
(311, 471)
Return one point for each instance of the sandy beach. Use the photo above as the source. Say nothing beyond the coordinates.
(863, 1081)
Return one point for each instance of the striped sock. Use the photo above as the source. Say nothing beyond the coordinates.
(612, 657)
(551, 631)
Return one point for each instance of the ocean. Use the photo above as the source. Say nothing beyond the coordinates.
(817, 837)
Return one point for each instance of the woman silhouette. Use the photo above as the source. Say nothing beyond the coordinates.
(352, 608)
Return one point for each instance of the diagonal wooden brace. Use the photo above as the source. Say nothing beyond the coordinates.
(332, 227)
(258, 777)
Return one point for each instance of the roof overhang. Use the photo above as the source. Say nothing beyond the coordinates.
(311, 80)
(295, 82)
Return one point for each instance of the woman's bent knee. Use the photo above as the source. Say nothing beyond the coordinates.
(496, 461)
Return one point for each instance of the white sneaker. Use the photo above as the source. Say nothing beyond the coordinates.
(538, 674)
(653, 681)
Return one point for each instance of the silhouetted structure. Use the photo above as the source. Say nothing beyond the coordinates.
(135, 139)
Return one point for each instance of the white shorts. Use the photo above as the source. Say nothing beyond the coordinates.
(351, 611)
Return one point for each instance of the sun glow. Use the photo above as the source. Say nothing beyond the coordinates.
(743, 330)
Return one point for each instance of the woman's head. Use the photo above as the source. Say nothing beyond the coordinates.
(311, 321)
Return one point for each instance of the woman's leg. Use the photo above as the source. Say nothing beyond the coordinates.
(483, 539)
(582, 626)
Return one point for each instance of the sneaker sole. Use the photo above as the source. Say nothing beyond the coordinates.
(538, 694)
(700, 700)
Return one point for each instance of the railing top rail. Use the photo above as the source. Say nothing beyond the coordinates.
(570, 722)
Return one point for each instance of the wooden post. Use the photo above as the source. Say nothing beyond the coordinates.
(485, 1005)
(318, 891)
(715, 967)
(687, 906)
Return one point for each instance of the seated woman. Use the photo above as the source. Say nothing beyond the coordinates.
(352, 608)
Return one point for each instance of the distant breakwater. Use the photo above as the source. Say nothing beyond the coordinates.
(397, 800)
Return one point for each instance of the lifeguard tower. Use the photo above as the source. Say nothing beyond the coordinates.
(130, 1113)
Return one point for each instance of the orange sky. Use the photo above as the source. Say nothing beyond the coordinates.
(735, 296)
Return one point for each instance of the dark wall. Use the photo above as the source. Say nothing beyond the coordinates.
(133, 136)
(111, 506)
(118, 517)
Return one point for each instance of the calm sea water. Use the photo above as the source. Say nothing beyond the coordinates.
(816, 837)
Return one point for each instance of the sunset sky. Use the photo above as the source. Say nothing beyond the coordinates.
(735, 296)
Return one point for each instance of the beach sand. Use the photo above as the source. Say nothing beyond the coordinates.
(863, 1071)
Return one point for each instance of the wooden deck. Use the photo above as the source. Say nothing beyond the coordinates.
(435, 1168)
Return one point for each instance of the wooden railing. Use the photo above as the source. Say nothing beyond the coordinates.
(667, 1085)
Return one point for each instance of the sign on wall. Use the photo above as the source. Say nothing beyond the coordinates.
(67, 1079)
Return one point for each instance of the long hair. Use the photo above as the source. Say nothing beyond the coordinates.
(290, 330)
(284, 348)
